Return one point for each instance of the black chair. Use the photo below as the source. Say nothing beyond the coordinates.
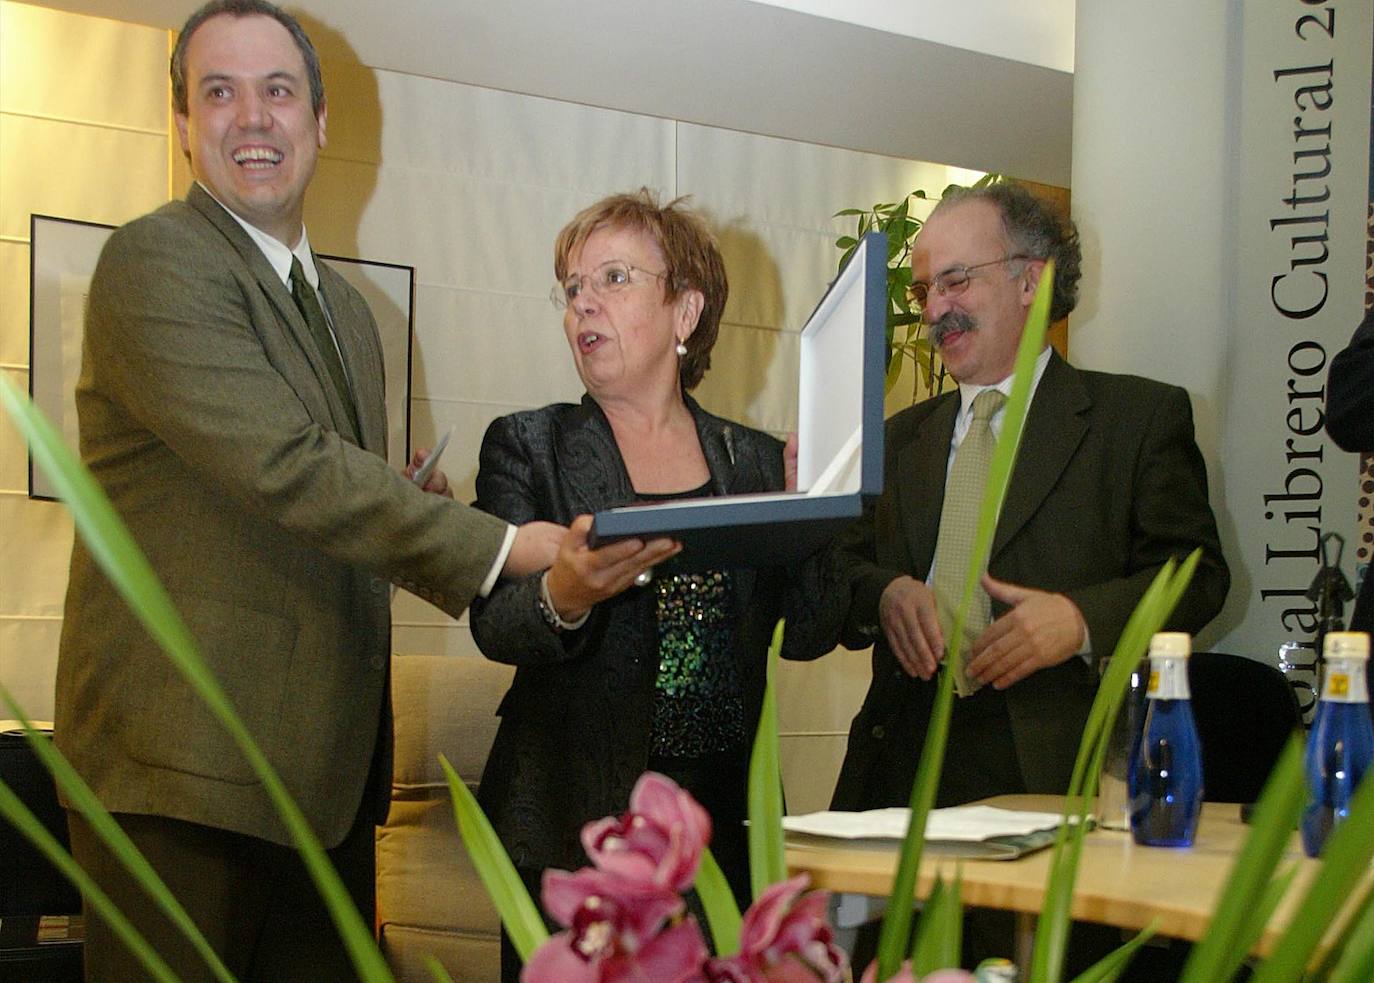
(1245, 712)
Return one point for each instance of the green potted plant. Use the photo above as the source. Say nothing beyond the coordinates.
(907, 339)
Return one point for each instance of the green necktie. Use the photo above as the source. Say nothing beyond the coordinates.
(959, 526)
(304, 295)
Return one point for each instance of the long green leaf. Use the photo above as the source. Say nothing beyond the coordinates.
(767, 859)
(896, 927)
(1354, 953)
(718, 901)
(436, 969)
(897, 919)
(80, 797)
(1345, 859)
(19, 816)
(1109, 967)
(507, 891)
(128, 570)
(939, 935)
(1272, 824)
(1150, 614)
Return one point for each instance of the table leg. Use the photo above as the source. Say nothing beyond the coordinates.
(1025, 940)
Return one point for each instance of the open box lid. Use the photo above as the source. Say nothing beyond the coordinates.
(839, 434)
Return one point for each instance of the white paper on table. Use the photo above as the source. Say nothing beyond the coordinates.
(956, 823)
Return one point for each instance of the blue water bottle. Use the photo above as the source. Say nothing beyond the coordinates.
(1341, 744)
(1166, 773)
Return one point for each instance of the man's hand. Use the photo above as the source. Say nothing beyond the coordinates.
(1040, 630)
(582, 576)
(534, 549)
(437, 482)
(906, 611)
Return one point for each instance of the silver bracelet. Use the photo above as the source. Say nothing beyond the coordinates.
(550, 613)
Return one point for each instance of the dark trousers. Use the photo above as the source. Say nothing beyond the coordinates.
(253, 900)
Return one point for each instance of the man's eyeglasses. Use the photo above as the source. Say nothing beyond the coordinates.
(952, 282)
(610, 277)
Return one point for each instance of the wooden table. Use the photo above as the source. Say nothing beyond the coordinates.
(1119, 882)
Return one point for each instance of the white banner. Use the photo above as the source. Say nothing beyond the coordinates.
(1298, 286)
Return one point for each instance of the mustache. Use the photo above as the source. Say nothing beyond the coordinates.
(951, 321)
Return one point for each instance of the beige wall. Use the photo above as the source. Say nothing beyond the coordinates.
(469, 186)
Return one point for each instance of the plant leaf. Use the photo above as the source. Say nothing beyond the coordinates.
(1150, 614)
(718, 901)
(507, 891)
(767, 863)
(436, 969)
(1109, 967)
(80, 796)
(1354, 951)
(897, 919)
(130, 573)
(1272, 824)
(939, 933)
(1345, 859)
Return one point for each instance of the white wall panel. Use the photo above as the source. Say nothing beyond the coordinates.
(753, 378)
(28, 662)
(35, 544)
(81, 172)
(784, 182)
(491, 348)
(485, 134)
(93, 70)
(14, 301)
(14, 454)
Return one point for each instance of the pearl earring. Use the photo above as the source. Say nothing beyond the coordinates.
(681, 349)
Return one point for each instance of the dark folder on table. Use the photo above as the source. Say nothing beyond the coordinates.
(840, 443)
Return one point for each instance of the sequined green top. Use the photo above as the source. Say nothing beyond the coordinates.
(698, 695)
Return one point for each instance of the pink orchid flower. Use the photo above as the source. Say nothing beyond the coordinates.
(606, 911)
(675, 955)
(784, 938)
(658, 841)
(616, 932)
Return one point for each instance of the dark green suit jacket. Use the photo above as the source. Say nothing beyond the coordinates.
(1109, 484)
(208, 418)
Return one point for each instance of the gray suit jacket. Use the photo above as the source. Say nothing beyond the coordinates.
(208, 418)
(1108, 485)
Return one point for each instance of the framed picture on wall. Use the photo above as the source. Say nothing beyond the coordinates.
(63, 254)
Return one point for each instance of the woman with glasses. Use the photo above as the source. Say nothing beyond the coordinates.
(618, 670)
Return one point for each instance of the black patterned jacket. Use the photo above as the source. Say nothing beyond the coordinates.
(575, 725)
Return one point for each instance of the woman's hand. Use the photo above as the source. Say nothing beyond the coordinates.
(582, 576)
(789, 463)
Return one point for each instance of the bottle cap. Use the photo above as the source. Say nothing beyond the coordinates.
(1346, 645)
(1172, 644)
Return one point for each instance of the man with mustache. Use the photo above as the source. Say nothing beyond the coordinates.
(231, 406)
(1109, 484)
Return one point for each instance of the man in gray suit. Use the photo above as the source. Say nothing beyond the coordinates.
(231, 406)
(1108, 485)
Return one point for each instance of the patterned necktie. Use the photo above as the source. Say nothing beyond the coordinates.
(304, 295)
(959, 526)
